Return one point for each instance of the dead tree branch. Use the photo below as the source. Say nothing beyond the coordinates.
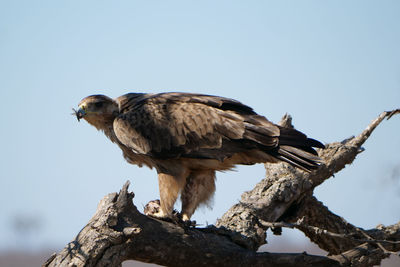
(299, 224)
(285, 185)
(118, 231)
(344, 235)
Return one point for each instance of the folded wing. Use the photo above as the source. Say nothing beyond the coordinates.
(172, 125)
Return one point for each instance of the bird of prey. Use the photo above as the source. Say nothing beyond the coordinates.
(188, 137)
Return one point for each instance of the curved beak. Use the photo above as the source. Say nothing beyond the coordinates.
(80, 113)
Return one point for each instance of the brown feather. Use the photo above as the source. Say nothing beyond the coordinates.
(187, 137)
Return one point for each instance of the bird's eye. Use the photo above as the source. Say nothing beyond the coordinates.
(98, 104)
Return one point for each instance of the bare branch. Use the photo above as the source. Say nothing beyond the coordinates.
(118, 232)
(393, 112)
(301, 225)
(363, 255)
(285, 185)
(382, 240)
(359, 140)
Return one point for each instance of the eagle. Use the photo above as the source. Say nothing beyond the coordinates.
(187, 137)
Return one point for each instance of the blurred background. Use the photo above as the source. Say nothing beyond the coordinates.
(333, 65)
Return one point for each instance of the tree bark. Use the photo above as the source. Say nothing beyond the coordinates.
(119, 232)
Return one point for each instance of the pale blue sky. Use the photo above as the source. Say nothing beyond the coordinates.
(333, 65)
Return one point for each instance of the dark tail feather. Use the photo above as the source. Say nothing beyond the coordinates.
(296, 149)
(292, 137)
(299, 158)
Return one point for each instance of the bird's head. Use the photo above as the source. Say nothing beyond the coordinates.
(97, 110)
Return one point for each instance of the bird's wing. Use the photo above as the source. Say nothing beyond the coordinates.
(173, 124)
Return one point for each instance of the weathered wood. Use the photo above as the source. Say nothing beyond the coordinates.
(118, 232)
(313, 213)
(285, 185)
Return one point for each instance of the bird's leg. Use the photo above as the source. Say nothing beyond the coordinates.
(199, 188)
(169, 187)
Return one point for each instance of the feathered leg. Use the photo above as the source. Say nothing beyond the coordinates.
(169, 187)
(199, 188)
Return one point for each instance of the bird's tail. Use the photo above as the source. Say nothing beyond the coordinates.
(295, 148)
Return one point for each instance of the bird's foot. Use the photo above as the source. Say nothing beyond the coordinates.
(186, 220)
(190, 224)
(153, 209)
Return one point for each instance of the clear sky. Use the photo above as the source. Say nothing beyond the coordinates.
(333, 65)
